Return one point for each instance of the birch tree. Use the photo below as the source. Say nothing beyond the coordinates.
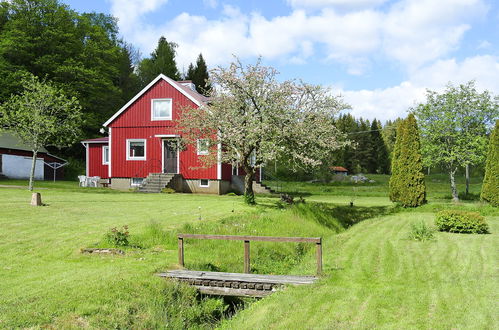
(253, 118)
(41, 116)
(453, 127)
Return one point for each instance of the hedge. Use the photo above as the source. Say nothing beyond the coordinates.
(455, 221)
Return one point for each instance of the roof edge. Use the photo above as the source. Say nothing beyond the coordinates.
(145, 89)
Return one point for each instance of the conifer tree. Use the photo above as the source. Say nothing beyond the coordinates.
(199, 75)
(379, 161)
(490, 188)
(162, 60)
(407, 185)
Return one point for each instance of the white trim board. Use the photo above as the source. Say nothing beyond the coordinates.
(145, 89)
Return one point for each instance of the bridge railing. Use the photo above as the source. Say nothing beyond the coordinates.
(247, 240)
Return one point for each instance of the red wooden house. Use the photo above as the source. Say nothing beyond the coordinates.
(140, 148)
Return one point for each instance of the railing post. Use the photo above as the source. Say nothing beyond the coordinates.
(319, 257)
(181, 251)
(247, 257)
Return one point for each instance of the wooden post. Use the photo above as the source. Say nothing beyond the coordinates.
(247, 257)
(319, 257)
(181, 251)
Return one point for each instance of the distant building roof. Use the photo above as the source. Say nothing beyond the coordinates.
(10, 141)
(97, 140)
(339, 169)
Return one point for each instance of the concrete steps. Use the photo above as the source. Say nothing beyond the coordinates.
(155, 182)
(258, 188)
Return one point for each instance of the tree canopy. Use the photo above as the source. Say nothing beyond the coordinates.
(199, 76)
(258, 119)
(162, 60)
(454, 126)
(78, 52)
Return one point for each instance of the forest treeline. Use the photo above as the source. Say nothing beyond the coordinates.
(82, 53)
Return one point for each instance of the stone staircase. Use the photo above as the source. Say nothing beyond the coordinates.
(258, 188)
(155, 182)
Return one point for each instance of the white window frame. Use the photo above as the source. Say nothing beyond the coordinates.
(153, 118)
(136, 184)
(201, 152)
(104, 148)
(202, 185)
(128, 157)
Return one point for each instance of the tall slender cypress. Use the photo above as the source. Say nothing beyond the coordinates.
(407, 185)
(490, 188)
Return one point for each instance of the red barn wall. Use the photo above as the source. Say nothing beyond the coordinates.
(95, 166)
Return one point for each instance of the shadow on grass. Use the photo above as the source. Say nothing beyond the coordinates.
(339, 218)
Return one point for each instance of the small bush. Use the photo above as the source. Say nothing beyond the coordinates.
(167, 191)
(118, 237)
(455, 221)
(421, 232)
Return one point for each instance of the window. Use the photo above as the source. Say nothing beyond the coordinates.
(202, 146)
(136, 149)
(204, 183)
(137, 181)
(105, 155)
(161, 109)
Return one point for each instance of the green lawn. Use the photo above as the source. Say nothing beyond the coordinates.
(374, 276)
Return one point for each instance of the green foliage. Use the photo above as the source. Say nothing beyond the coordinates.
(199, 76)
(490, 188)
(420, 231)
(79, 52)
(162, 60)
(454, 126)
(168, 190)
(407, 183)
(380, 161)
(456, 221)
(118, 236)
(249, 198)
(42, 115)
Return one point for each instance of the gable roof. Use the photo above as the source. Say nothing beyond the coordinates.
(338, 169)
(10, 141)
(195, 97)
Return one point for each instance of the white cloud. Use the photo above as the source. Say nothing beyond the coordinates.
(129, 12)
(484, 44)
(335, 3)
(211, 3)
(393, 102)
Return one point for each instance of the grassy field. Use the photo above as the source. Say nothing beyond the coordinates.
(374, 276)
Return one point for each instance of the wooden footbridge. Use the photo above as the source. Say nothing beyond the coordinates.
(241, 284)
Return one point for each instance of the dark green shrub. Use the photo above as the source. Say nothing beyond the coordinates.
(455, 221)
(118, 236)
(407, 185)
(167, 190)
(490, 188)
(421, 232)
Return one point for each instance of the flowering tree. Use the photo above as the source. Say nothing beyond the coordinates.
(41, 116)
(252, 118)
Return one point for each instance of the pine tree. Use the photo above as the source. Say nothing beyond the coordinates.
(364, 151)
(407, 185)
(162, 60)
(378, 161)
(199, 75)
(490, 188)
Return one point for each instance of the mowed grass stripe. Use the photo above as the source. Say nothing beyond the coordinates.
(437, 284)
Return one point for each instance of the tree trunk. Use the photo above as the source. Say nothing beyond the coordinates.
(467, 179)
(249, 194)
(453, 187)
(32, 174)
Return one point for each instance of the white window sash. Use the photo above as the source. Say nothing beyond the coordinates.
(131, 157)
(169, 109)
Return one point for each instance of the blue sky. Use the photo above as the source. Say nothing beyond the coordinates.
(379, 55)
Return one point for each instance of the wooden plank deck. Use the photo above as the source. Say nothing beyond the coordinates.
(236, 284)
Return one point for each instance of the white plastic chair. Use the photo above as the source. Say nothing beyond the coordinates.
(83, 180)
